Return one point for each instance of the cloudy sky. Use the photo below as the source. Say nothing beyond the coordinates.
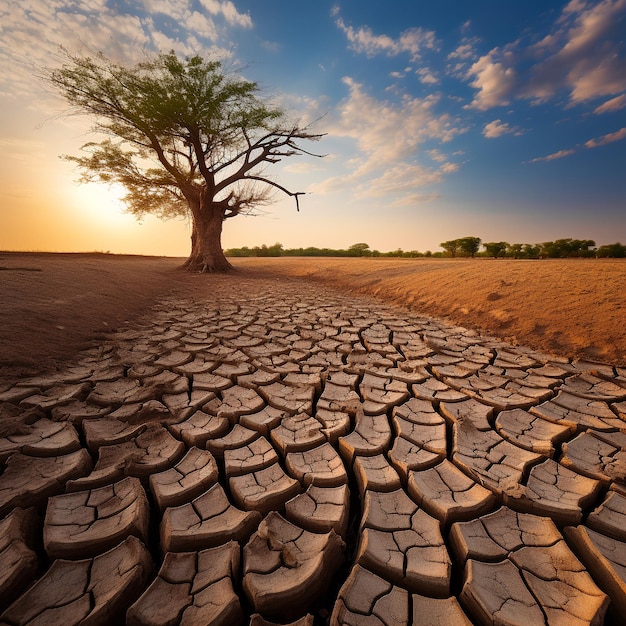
(502, 120)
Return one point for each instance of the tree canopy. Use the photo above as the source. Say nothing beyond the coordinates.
(496, 248)
(467, 246)
(183, 137)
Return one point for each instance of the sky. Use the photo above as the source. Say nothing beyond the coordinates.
(498, 119)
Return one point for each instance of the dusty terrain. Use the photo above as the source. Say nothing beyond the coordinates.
(572, 308)
(265, 448)
(56, 304)
(53, 305)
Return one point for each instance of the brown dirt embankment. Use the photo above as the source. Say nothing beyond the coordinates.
(569, 307)
(53, 305)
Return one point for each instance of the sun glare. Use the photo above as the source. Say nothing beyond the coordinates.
(103, 204)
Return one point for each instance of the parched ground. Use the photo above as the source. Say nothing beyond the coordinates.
(52, 305)
(279, 448)
(570, 307)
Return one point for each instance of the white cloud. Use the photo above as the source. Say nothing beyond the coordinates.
(574, 6)
(162, 41)
(272, 46)
(555, 155)
(582, 56)
(388, 136)
(301, 168)
(465, 50)
(398, 179)
(427, 76)
(175, 10)
(436, 155)
(614, 104)
(306, 110)
(228, 10)
(493, 79)
(411, 41)
(450, 168)
(496, 128)
(180, 10)
(618, 135)
(31, 32)
(412, 199)
(200, 25)
(460, 58)
(390, 131)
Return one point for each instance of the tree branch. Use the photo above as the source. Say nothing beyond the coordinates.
(293, 194)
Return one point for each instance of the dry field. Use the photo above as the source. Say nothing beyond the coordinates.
(572, 308)
(56, 304)
(53, 305)
(282, 441)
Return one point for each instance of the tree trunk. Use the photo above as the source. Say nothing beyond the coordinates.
(206, 240)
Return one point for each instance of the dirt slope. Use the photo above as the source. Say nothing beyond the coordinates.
(570, 307)
(52, 305)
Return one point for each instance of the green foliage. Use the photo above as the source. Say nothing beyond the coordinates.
(465, 246)
(496, 249)
(513, 250)
(563, 248)
(278, 250)
(360, 249)
(614, 250)
(469, 245)
(559, 249)
(177, 132)
(451, 247)
(530, 251)
(492, 249)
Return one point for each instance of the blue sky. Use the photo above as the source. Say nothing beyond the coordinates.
(504, 120)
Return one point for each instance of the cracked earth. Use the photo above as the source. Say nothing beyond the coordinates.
(280, 453)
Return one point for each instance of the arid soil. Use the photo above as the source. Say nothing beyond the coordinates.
(53, 305)
(272, 446)
(573, 308)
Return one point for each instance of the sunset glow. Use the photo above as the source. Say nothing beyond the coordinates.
(507, 122)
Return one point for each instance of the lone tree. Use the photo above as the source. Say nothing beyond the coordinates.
(183, 138)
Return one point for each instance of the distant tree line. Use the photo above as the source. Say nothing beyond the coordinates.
(559, 249)
(356, 250)
(462, 247)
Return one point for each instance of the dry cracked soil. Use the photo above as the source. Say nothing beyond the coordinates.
(280, 452)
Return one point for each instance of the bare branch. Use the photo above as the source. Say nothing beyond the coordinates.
(293, 194)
